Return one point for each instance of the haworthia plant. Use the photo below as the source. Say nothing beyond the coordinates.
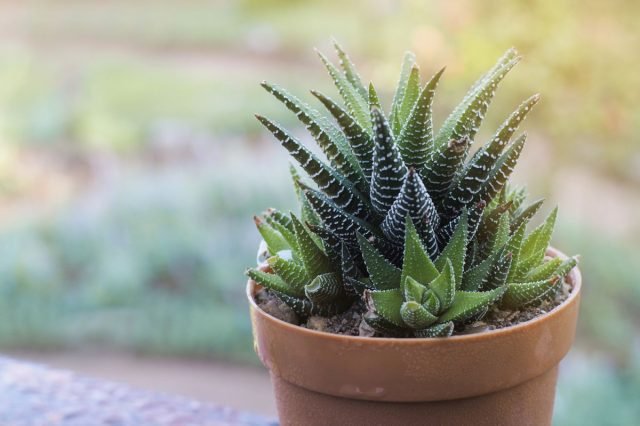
(400, 215)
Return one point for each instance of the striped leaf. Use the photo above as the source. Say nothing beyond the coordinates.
(359, 139)
(349, 70)
(336, 220)
(313, 258)
(339, 189)
(413, 201)
(356, 104)
(443, 166)
(523, 216)
(502, 170)
(466, 118)
(477, 171)
(329, 138)
(389, 170)
(324, 289)
(499, 272)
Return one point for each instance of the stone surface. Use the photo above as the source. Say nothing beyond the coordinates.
(32, 395)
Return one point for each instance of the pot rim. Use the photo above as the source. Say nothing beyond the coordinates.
(574, 276)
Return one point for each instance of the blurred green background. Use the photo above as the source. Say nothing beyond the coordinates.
(130, 161)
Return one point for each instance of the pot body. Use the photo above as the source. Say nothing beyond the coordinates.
(500, 377)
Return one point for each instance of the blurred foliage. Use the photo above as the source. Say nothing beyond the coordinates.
(150, 262)
(163, 60)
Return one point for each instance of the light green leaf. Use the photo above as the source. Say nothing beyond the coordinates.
(416, 263)
(467, 304)
(382, 273)
(407, 64)
(387, 304)
(413, 290)
(416, 316)
(456, 250)
(273, 282)
(275, 241)
(292, 273)
(521, 294)
(444, 286)
(313, 258)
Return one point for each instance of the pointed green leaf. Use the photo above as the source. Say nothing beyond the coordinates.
(314, 260)
(273, 282)
(411, 93)
(438, 330)
(539, 239)
(413, 290)
(544, 271)
(387, 304)
(523, 216)
(350, 72)
(466, 118)
(499, 272)
(415, 141)
(501, 170)
(456, 250)
(412, 202)
(329, 138)
(521, 294)
(292, 273)
(467, 304)
(275, 241)
(374, 100)
(389, 170)
(416, 262)
(382, 273)
(356, 104)
(416, 316)
(407, 64)
(358, 138)
(444, 286)
(475, 278)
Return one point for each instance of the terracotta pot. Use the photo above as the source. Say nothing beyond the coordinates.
(500, 377)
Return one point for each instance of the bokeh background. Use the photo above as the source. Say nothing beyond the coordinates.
(130, 166)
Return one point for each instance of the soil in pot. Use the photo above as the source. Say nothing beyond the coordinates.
(350, 322)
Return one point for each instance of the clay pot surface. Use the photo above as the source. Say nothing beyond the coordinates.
(498, 377)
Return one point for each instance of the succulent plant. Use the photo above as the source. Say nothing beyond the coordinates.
(404, 217)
